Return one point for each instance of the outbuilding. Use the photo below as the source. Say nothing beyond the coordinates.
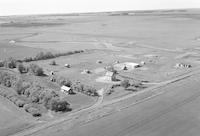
(66, 90)
(126, 66)
(110, 76)
(12, 41)
(67, 65)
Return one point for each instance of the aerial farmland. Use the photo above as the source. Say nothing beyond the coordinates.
(60, 73)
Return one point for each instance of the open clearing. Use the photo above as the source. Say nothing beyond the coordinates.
(157, 41)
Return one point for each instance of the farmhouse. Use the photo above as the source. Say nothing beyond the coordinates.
(66, 90)
(110, 76)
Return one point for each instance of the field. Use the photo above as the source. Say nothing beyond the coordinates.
(12, 119)
(164, 44)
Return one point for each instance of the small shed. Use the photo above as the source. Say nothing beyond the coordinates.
(12, 41)
(66, 89)
(67, 66)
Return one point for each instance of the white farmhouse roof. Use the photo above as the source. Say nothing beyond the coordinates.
(128, 65)
(67, 65)
(131, 64)
(100, 92)
(12, 41)
(65, 88)
(109, 73)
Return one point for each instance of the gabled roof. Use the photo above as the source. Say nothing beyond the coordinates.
(66, 88)
(109, 73)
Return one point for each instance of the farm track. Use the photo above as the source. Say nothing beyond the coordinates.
(100, 104)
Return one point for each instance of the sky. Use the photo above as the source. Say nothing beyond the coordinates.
(22, 7)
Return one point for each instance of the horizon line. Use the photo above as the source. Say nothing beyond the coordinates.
(90, 12)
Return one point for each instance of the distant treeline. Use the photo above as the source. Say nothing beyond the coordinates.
(12, 63)
(49, 55)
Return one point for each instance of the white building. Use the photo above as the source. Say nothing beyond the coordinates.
(67, 65)
(126, 66)
(110, 76)
(12, 41)
(66, 90)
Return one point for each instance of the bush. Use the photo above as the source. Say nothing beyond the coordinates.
(88, 90)
(125, 83)
(35, 112)
(19, 87)
(47, 101)
(44, 56)
(59, 105)
(28, 59)
(78, 87)
(1, 64)
(6, 79)
(36, 70)
(19, 103)
(21, 68)
(62, 81)
(137, 84)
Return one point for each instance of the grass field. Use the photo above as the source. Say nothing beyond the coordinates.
(12, 118)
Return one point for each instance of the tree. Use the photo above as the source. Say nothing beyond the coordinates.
(1, 64)
(62, 81)
(21, 68)
(59, 105)
(10, 63)
(125, 83)
(36, 70)
(28, 59)
(19, 88)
